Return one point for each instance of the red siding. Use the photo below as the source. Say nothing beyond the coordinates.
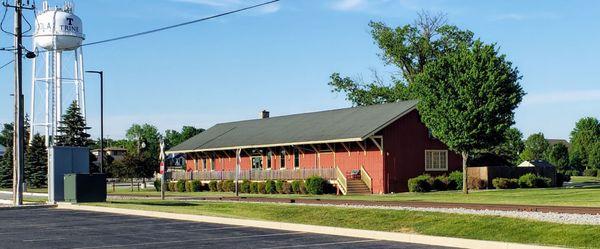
(405, 142)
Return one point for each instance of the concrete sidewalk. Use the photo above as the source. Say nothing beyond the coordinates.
(357, 233)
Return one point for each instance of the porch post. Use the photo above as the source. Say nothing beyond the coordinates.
(237, 170)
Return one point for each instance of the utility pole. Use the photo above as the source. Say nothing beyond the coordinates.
(19, 132)
(101, 74)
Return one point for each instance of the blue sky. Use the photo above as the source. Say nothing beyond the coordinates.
(280, 57)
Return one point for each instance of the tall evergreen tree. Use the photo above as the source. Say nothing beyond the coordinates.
(36, 166)
(73, 130)
(6, 169)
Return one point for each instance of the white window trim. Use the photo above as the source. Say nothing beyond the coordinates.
(437, 169)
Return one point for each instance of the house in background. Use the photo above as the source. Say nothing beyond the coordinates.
(2, 150)
(377, 148)
(116, 153)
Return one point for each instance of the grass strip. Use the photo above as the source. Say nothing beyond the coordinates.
(427, 223)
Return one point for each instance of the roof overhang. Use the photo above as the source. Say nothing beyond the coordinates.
(344, 140)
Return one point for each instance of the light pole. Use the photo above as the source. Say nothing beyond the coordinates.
(101, 73)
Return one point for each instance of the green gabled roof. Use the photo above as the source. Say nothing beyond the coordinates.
(342, 125)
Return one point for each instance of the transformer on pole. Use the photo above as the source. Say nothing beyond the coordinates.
(58, 37)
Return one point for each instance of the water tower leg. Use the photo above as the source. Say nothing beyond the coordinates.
(82, 82)
(49, 86)
(58, 83)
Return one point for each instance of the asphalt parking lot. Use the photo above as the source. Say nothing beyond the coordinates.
(54, 228)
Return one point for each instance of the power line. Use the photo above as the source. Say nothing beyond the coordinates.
(178, 25)
(5, 65)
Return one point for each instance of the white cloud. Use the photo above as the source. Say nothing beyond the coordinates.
(349, 5)
(229, 4)
(562, 97)
(524, 16)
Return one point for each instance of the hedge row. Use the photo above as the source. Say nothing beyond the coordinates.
(314, 185)
(426, 183)
(527, 181)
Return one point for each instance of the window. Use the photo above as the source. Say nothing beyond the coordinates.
(269, 156)
(257, 162)
(282, 159)
(436, 160)
(195, 163)
(213, 167)
(296, 158)
(204, 163)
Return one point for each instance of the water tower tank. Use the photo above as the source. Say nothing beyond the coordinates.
(58, 29)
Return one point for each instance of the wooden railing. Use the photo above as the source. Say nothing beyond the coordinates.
(256, 175)
(341, 180)
(366, 178)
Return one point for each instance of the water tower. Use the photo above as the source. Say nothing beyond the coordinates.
(57, 78)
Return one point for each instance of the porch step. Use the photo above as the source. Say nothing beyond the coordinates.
(357, 187)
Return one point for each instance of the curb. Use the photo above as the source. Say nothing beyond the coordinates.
(27, 207)
(336, 231)
(26, 194)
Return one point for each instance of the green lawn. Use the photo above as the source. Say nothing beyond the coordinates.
(427, 223)
(586, 194)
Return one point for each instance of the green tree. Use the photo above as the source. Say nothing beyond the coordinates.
(6, 169)
(558, 155)
(409, 48)
(36, 166)
(73, 130)
(144, 158)
(6, 135)
(594, 156)
(536, 146)
(173, 137)
(511, 147)
(468, 97)
(585, 134)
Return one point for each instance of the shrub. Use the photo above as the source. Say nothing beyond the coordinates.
(527, 180)
(196, 186)
(157, 184)
(220, 186)
(270, 187)
(303, 189)
(181, 186)
(286, 188)
(261, 188)
(475, 183)
(440, 183)
(245, 186)
(254, 187)
(296, 187)
(455, 180)
(188, 186)
(228, 186)
(533, 181)
(279, 186)
(590, 172)
(172, 186)
(542, 182)
(505, 183)
(212, 186)
(315, 185)
(420, 183)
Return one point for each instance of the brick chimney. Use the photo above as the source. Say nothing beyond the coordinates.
(265, 114)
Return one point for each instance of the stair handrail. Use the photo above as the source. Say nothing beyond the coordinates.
(341, 180)
(366, 178)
